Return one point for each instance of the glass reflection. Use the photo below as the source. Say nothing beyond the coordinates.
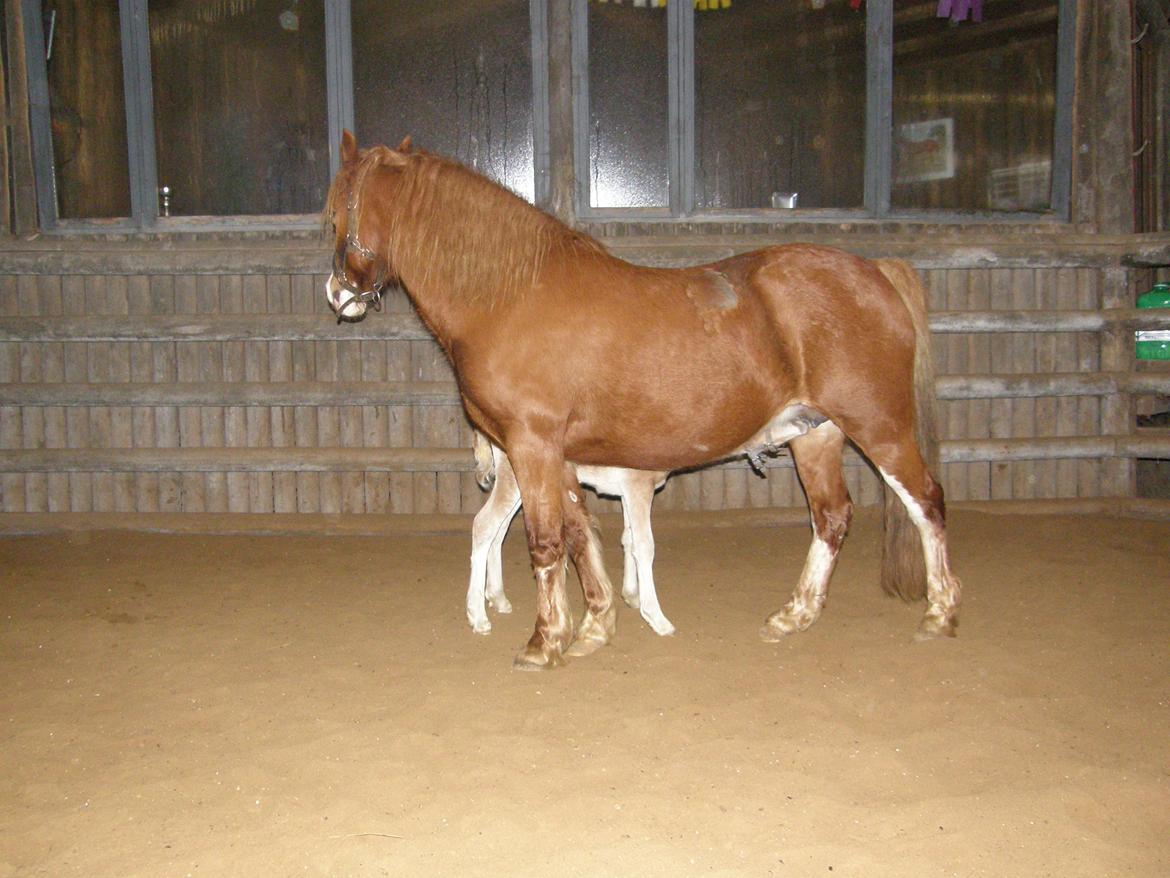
(628, 93)
(456, 76)
(974, 107)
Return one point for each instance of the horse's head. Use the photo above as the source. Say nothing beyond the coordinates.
(361, 267)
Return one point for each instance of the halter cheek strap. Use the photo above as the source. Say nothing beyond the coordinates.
(373, 295)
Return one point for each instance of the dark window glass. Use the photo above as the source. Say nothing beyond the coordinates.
(88, 108)
(780, 104)
(974, 106)
(454, 75)
(628, 93)
(240, 107)
(1151, 64)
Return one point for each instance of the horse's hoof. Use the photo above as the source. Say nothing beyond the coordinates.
(534, 658)
(933, 627)
(632, 599)
(593, 634)
(484, 627)
(768, 634)
(780, 624)
(660, 625)
(499, 603)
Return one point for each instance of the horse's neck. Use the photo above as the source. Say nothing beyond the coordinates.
(445, 317)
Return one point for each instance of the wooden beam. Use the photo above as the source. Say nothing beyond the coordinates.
(388, 327)
(373, 393)
(430, 460)
(229, 393)
(211, 327)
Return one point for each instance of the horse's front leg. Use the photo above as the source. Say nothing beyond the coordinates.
(597, 625)
(538, 469)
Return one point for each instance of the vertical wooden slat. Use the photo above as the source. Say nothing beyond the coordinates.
(979, 363)
(1088, 408)
(305, 436)
(73, 304)
(1023, 362)
(735, 488)
(1118, 475)
(1000, 351)
(329, 436)
(12, 484)
(710, 489)
(1044, 471)
(1065, 360)
(953, 296)
(759, 491)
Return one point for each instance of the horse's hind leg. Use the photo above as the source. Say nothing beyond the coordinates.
(903, 469)
(598, 623)
(817, 455)
(637, 498)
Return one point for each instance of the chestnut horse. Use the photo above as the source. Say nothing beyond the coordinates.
(563, 352)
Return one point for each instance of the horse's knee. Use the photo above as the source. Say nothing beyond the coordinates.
(546, 549)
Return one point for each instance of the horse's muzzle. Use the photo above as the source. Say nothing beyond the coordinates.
(346, 304)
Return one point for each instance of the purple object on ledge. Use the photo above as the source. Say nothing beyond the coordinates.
(958, 10)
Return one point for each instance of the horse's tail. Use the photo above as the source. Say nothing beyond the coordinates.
(485, 461)
(903, 565)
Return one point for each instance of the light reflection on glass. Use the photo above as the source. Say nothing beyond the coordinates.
(456, 76)
(628, 147)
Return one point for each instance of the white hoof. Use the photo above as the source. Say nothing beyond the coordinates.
(660, 624)
(480, 626)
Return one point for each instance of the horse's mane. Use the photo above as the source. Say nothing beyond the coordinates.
(454, 228)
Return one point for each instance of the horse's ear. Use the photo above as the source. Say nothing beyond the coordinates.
(349, 147)
(399, 157)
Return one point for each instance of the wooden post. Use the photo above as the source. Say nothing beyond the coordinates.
(20, 217)
(560, 123)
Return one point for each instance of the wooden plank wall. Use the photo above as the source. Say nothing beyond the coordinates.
(443, 426)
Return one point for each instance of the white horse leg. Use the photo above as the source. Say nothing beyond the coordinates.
(943, 589)
(487, 536)
(629, 568)
(637, 498)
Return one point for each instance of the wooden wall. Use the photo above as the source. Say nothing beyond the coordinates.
(235, 392)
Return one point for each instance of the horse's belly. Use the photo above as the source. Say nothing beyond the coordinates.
(650, 438)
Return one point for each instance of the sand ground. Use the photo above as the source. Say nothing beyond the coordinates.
(278, 706)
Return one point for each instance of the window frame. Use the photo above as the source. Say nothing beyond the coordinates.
(878, 133)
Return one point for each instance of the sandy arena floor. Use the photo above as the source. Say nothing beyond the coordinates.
(283, 706)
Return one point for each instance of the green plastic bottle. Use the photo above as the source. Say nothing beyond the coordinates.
(1154, 344)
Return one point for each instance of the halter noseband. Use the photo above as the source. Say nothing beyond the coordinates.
(373, 295)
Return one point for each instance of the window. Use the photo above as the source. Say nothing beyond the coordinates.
(779, 105)
(227, 113)
(83, 61)
(752, 108)
(629, 132)
(240, 118)
(456, 76)
(974, 107)
(181, 114)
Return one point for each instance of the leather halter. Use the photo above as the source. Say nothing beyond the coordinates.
(373, 295)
